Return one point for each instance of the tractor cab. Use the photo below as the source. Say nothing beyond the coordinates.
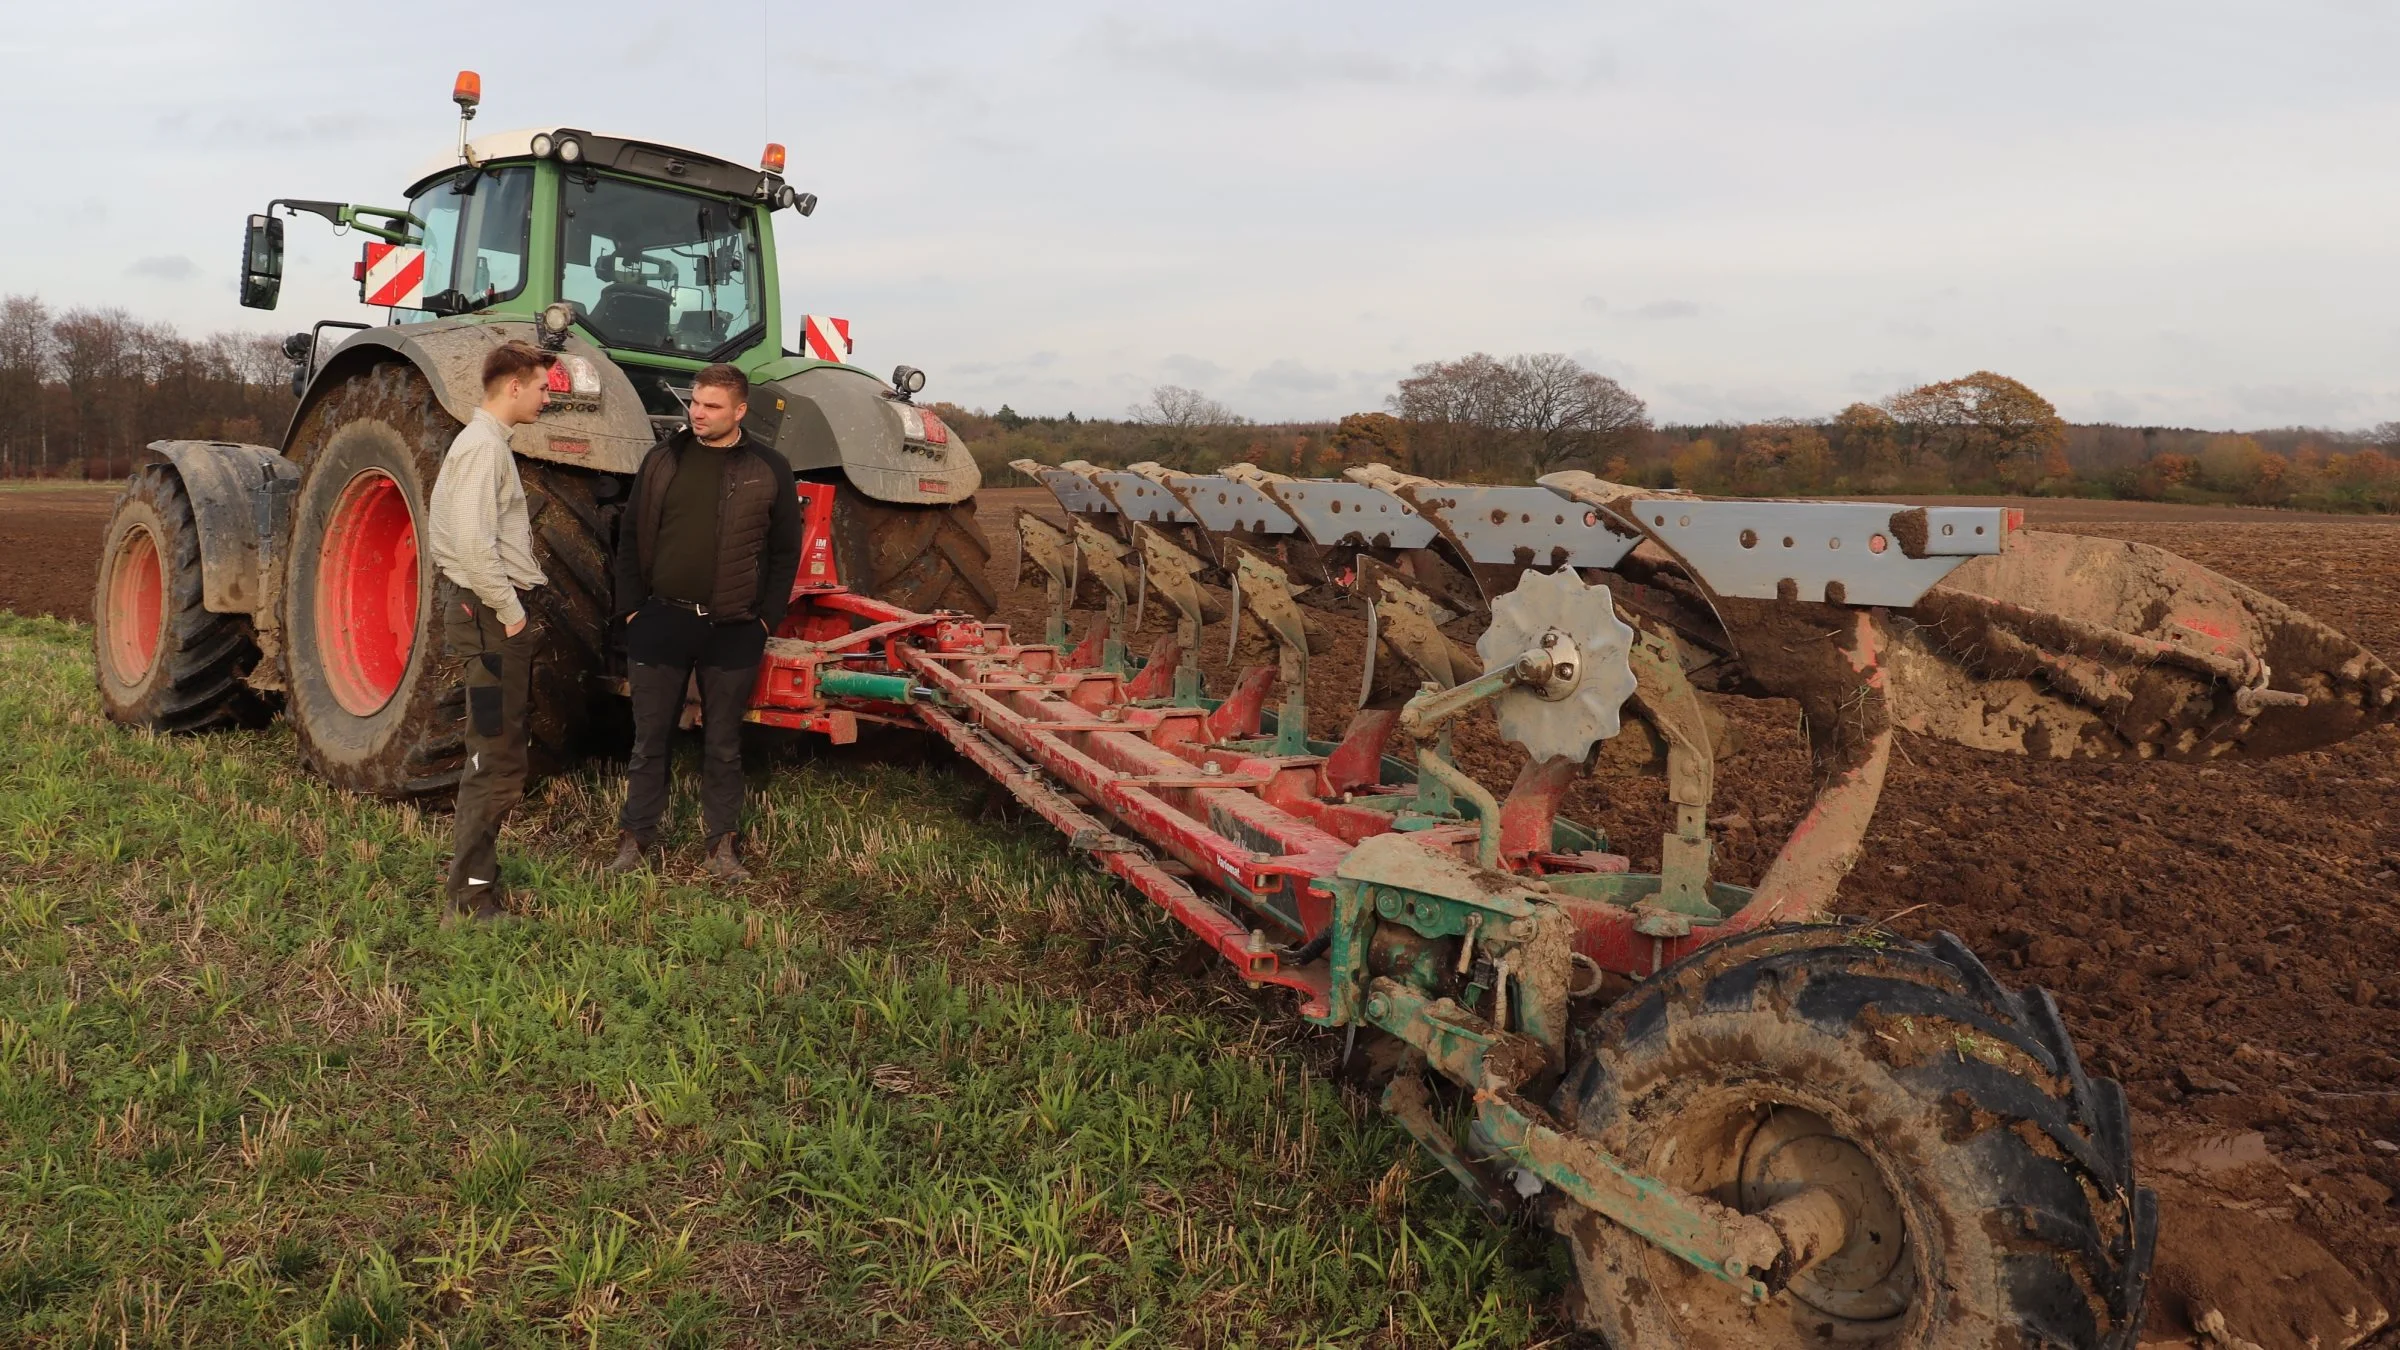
(662, 257)
(639, 263)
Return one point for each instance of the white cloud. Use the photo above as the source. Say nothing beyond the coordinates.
(166, 267)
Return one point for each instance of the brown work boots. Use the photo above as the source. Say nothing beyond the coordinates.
(630, 848)
(724, 860)
(482, 907)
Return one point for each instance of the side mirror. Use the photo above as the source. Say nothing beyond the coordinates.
(262, 262)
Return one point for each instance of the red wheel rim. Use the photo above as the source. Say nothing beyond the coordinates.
(136, 606)
(367, 593)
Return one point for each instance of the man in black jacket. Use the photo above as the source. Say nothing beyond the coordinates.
(706, 553)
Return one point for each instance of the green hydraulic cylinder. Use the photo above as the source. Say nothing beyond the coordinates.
(864, 684)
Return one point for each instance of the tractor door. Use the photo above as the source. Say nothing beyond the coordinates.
(478, 226)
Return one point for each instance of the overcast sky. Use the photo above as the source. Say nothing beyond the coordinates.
(2151, 212)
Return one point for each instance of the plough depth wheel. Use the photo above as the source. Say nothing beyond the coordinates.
(1966, 1184)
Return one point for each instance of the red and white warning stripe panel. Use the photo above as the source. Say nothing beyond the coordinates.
(825, 339)
(393, 275)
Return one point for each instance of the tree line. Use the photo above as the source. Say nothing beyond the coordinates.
(1481, 418)
(81, 392)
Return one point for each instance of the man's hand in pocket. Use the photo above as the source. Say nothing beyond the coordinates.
(512, 629)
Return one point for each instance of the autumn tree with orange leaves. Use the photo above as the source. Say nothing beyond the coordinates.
(1372, 438)
(1987, 428)
(1870, 445)
(1785, 456)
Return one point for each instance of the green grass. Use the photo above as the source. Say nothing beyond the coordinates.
(925, 1083)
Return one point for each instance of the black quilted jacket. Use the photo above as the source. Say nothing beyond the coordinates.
(758, 532)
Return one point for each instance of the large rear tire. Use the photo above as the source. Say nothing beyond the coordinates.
(917, 557)
(373, 698)
(165, 661)
(1988, 1181)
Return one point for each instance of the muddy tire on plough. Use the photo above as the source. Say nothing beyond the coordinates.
(1783, 1128)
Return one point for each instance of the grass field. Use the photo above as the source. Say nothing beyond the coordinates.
(925, 1082)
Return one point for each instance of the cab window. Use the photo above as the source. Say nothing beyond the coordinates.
(477, 226)
(658, 270)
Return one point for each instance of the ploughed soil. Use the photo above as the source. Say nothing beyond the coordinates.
(50, 536)
(2224, 939)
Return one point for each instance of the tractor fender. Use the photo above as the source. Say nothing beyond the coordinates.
(830, 416)
(609, 433)
(241, 498)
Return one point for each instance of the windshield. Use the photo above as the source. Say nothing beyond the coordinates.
(476, 227)
(659, 270)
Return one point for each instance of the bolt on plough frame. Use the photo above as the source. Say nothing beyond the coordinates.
(1789, 1128)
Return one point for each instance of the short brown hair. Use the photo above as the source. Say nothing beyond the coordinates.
(725, 377)
(512, 359)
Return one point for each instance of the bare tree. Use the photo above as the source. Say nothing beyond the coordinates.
(97, 362)
(89, 388)
(1179, 419)
(1565, 413)
(25, 364)
(1481, 415)
(256, 360)
(1457, 412)
(1173, 405)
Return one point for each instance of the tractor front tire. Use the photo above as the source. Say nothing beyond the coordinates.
(1988, 1182)
(917, 557)
(373, 697)
(164, 660)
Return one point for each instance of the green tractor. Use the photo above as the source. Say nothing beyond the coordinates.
(235, 577)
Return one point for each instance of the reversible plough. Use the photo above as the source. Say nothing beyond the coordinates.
(1752, 1124)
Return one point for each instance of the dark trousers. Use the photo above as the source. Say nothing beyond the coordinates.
(498, 675)
(669, 646)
